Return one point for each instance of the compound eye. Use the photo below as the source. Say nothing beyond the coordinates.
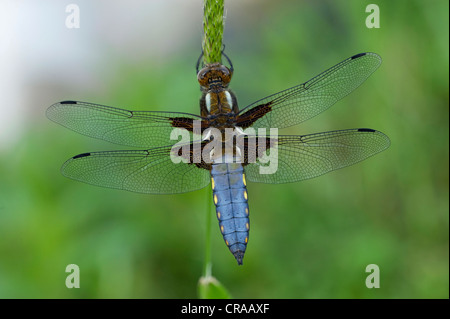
(226, 74)
(202, 76)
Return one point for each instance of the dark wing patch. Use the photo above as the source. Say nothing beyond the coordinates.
(247, 119)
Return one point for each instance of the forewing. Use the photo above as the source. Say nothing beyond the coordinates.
(141, 129)
(302, 102)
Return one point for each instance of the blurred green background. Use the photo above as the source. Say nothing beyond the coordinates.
(311, 239)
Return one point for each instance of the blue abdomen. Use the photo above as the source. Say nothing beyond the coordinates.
(230, 198)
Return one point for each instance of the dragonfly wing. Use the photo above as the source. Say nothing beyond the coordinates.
(304, 101)
(150, 171)
(132, 128)
(300, 157)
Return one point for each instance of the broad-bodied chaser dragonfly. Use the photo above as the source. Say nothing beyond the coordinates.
(154, 171)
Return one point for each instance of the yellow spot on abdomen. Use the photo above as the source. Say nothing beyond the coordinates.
(246, 239)
(226, 242)
(218, 215)
(247, 226)
(221, 228)
(245, 195)
(243, 180)
(212, 183)
(246, 211)
(215, 199)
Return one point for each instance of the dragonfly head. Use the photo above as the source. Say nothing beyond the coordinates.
(214, 75)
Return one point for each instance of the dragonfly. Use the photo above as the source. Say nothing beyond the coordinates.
(162, 165)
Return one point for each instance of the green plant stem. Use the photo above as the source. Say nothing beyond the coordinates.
(212, 52)
(212, 30)
(207, 265)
